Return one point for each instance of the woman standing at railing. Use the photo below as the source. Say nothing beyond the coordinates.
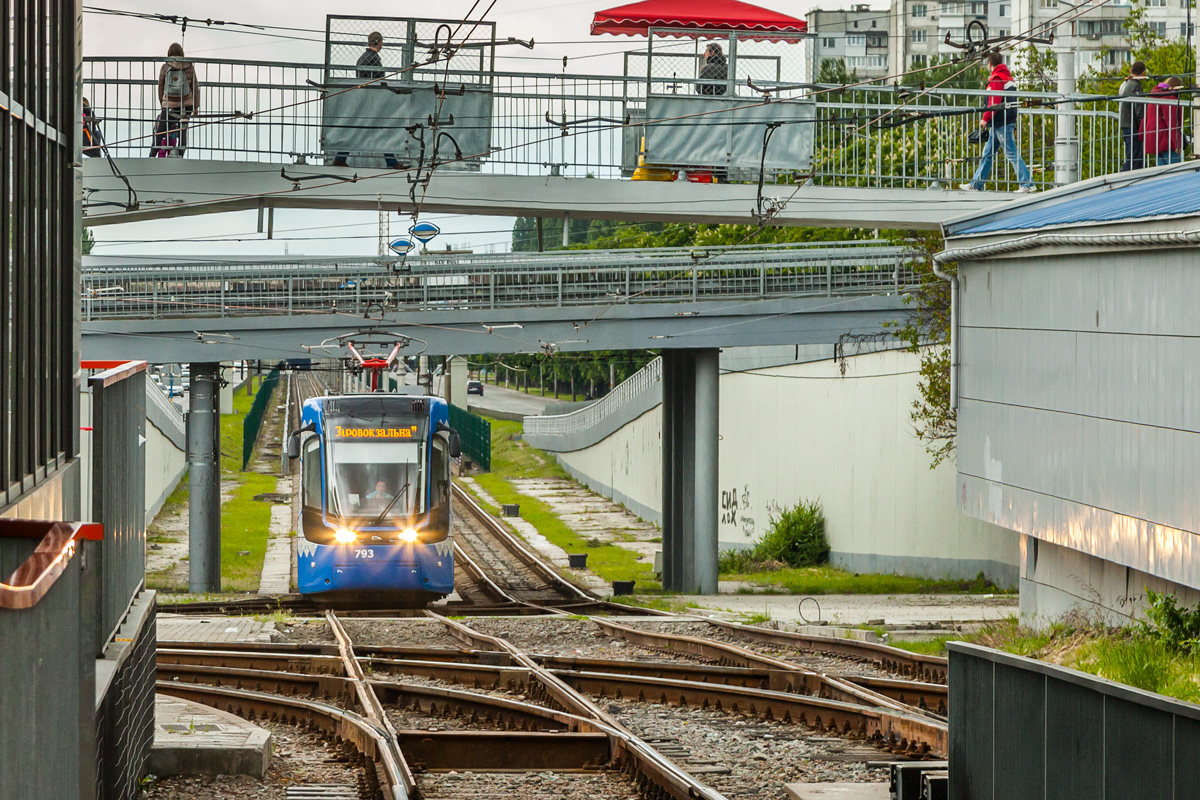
(1162, 125)
(179, 97)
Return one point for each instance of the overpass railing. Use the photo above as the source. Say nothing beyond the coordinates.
(592, 414)
(581, 125)
(569, 278)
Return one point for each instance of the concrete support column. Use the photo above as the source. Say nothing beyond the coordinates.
(690, 452)
(204, 480)
(1066, 144)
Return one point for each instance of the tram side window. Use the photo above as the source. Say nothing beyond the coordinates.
(439, 468)
(312, 472)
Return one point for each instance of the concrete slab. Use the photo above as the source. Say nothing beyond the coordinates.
(277, 563)
(178, 628)
(940, 610)
(837, 791)
(194, 739)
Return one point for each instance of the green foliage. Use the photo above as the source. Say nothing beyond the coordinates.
(1163, 58)
(925, 331)
(830, 580)
(833, 70)
(947, 74)
(1176, 628)
(795, 538)
(87, 242)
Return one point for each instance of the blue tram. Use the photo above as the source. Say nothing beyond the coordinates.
(375, 496)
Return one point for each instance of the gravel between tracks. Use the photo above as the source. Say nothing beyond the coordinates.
(304, 631)
(298, 757)
(818, 662)
(761, 756)
(400, 632)
(605, 785)
(568, 637)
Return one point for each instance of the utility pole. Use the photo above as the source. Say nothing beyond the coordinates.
(1066, 145)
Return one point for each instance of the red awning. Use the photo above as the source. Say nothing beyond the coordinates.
(636, 19)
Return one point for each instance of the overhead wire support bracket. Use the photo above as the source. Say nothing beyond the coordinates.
(298, 179)
(564, 124)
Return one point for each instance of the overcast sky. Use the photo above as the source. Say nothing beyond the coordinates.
(558, 28)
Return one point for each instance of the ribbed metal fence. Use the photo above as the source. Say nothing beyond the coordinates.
(125, 718)
(119, 486)
(476, 435)
(1021, 728)
(254, 418)
(591, 415)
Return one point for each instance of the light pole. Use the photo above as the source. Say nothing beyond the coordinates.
(1066, 144)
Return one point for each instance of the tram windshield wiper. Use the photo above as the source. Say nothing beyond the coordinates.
(392, 502)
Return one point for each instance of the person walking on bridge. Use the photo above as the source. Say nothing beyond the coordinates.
(1001, 119)
(179, 98)
(370, 68)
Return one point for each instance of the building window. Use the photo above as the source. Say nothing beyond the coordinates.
(916, 61)
(1184, 30)
(1115, 58)
(1159, 28)
(1002, 11)
(979, 8)
(856, 40)
(827, 42)
(1156, 3)
(999, 32)
(919, 36)
(920, 10)
(1047, 3)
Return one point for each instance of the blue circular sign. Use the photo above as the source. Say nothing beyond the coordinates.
(401, 246)
(424, 231)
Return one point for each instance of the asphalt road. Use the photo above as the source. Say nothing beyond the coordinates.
(506, 401)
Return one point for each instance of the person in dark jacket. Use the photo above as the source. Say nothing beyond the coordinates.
(1001, 119)
(1130, 117)
(370, 67)
(715, 68)
(1162, 125)
(179, 98)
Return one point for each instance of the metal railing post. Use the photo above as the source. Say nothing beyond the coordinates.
(828, 276)
(289, 295)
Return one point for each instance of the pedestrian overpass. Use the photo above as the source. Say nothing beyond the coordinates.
(466, 138)
(165, 310)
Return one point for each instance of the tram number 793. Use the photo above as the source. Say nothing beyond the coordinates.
(367, 553)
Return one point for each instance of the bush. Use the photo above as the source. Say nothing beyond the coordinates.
(796, 538)
(1177, 628)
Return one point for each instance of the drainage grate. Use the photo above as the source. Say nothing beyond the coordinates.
(322, 791)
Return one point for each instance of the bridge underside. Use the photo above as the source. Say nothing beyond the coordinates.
(177, 187)
(809, 320)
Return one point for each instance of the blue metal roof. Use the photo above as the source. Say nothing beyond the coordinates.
(1154, 197)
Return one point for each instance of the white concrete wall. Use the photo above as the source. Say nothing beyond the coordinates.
(166, 464)
(806, 432)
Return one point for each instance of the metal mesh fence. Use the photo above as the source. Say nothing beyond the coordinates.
(476, 435)
(125, 721)
(252, 424)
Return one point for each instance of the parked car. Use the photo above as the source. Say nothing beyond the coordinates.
(475, 387)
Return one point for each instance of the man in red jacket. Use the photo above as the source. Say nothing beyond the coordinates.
(1001, 117)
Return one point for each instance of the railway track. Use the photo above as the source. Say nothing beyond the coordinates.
(488, 699)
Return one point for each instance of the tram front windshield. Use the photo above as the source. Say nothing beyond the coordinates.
(376, 476)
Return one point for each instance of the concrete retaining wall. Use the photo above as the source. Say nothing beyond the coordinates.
(804, 432)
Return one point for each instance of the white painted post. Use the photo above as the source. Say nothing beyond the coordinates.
(1066, 145)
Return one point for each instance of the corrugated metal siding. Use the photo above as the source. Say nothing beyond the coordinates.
(1079, 417)
(1173, 195)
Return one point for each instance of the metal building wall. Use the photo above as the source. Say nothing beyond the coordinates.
(1078, 415)
(39, 271)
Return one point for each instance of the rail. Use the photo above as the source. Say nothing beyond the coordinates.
(585, 125)
(573, 278)
(589, 416)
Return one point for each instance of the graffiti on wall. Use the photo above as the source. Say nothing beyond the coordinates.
(735, 509)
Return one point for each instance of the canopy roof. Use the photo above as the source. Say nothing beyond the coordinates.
(635, 19)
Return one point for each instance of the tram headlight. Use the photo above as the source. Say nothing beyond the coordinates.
(344, 536)
(408, 535)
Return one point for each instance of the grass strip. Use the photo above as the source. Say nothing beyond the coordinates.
(245, 525)
(831, 580)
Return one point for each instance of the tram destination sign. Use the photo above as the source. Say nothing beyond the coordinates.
(349, 432)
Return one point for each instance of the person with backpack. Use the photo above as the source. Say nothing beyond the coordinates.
(1000, 120)
(93, 140)
(1162, 125)
(179, 97)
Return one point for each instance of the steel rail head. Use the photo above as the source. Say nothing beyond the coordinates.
(812, 681)
(517, 548)
(652, 764)
(373, 742)
(399, 775)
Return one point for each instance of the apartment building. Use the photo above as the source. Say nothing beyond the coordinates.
(858, 35)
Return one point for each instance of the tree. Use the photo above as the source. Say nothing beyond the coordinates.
(833, 70)
(925, 330)
(88, 241)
